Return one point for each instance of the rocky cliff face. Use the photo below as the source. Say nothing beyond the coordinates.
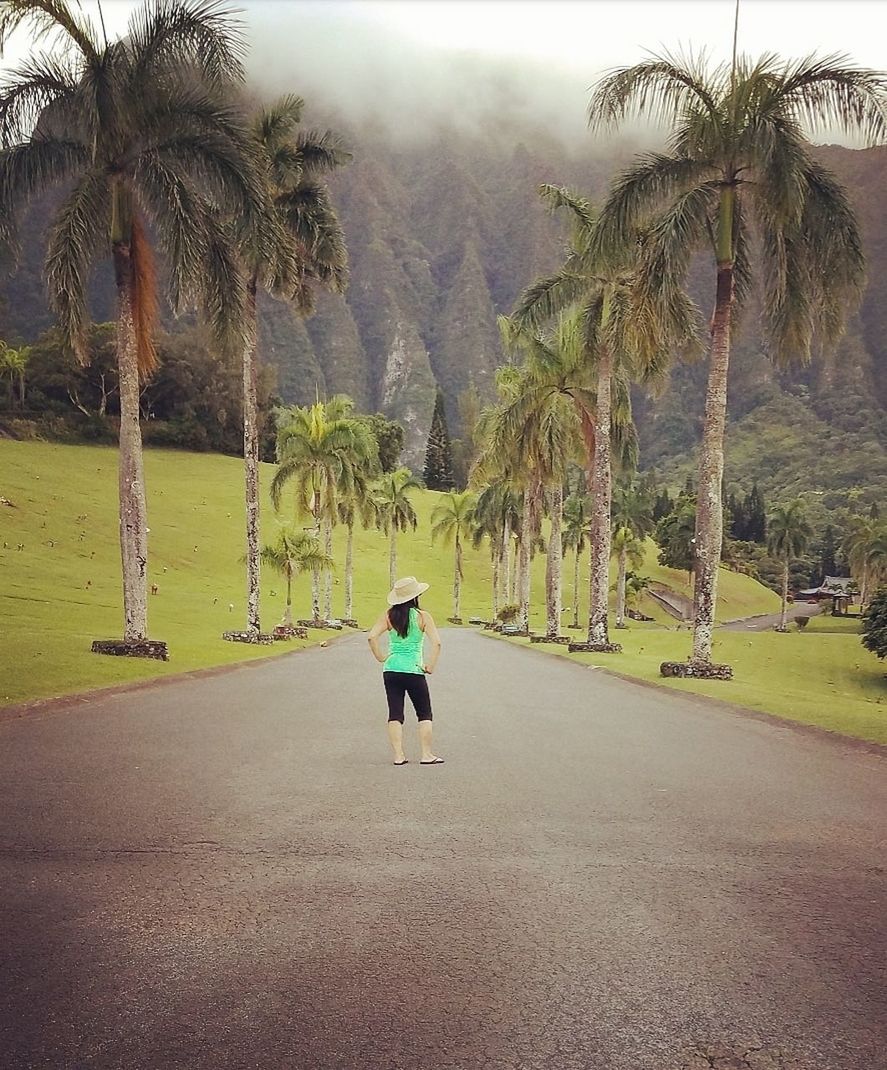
(444, 233)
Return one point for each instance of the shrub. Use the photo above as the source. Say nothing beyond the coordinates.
(508, 613)
(802, 622)
(874, 628)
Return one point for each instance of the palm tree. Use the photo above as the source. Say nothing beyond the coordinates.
(628, 550)
(876, 557)
(633, 521)
(857, 545)
(355, 503)
(576, 519)
(394, 510)
(300, 240)
(13, 366)
(497, 517)
(452, 520)
(140, 132)
(787, 535)
(527, 440)
(319, 450)
(739, 156)
(293, 553)
(618, 332)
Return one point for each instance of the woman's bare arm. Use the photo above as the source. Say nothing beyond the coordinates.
(376, 632)
(433, 636)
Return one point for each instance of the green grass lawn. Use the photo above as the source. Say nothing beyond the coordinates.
(62, 590)
(822, 678)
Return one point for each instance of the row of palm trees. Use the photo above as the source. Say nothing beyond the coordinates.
(150, 140)
(739, 183)
(148, 137)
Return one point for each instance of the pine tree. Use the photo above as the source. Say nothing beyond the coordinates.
(439, 453)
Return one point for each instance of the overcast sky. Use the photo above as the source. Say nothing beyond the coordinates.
(418, 62)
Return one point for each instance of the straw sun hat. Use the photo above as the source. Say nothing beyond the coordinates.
(405, 590)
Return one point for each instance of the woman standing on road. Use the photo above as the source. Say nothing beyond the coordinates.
(405, 667)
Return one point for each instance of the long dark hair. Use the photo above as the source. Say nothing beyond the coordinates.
(399, 616)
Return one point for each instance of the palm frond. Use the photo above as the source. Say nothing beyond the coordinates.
(829, 92)
(28, 169)
(48, 18)
(321, 151)
(661, 87)
(30, 88)
(203, 34)
(79, 233)
(546, 297)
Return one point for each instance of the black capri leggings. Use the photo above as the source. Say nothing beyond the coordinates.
(414, 684)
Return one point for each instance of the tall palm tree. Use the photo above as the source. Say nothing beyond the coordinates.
(576, 520)
(140, 132)
(293, 553)
(739, 156)
(876, 557)
(633, 521)
(319, 449)
(394, 510)
(355, 503)
(788, 533)
(451, 521)
(299, 241)
(527, 439)
(622, 332)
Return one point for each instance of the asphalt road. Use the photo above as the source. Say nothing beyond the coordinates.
(227, 873)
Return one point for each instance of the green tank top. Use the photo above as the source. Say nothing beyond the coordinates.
(405, 652)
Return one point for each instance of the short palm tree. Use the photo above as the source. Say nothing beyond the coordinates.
(628, 549)
(13, 368)
(497, 518)
(452, 520)
(633, 521)
(298, 241)
(857, 545)
(141, 134)
(739, 156)
(319, 449)
(788, 533)
(576, 519)
(876, 557)
(394, 510)
(293, 553)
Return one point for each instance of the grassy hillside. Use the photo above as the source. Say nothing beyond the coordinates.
(62, 589)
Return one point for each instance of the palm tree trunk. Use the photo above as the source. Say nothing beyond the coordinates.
(251, 464)
(620, 588)
(288, 612)
(328, 575)
(507, 595)
(599, 581)
(496, 559)
(349, 573)
(863, 586)
(133, 507)
(554, 560)
(784, 595)
(526, 542)
(576, 588)
(709, 512)
(457, 580)
(392, 556)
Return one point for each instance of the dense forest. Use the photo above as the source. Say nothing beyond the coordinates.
(443, 233)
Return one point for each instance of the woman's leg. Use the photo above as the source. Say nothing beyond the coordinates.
(417, 687)
(395, 689)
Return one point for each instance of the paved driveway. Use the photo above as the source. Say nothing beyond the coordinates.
(227, 873)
